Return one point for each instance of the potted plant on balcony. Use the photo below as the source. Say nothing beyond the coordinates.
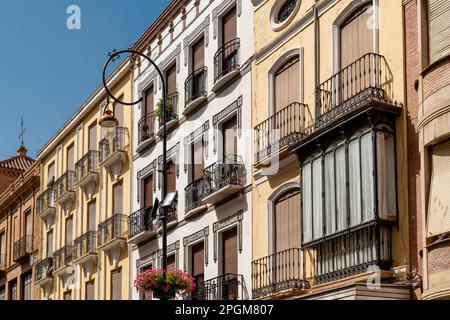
(178, 282)
(170, 113)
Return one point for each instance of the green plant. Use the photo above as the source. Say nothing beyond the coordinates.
(153, 280)
(170, 113)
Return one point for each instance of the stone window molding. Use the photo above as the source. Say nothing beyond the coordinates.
(149, 170)
(222, 225)
(146, 260)
(200, 132)
(192, 239)
(219, 10)
(202, 28)
(274, 14)
(174, 248)
(234, 108)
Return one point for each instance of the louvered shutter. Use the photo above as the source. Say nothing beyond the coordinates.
(230, 254)
(438, 28)
(287, 84)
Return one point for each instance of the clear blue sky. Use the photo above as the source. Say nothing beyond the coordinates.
(48, 71)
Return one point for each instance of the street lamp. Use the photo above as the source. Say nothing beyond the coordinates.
(108, 120)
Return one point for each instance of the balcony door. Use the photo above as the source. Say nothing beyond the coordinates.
(198, 268)
(148, 192)
(116, 284)
(229, 33)
(118, 113)
(91, 223)
(50, 243)
(229, 287)
(148, 110)
(70, 159)
(229, 130)
(171, 78)
(90, 291)
(287, 86)
(93, 138)
(69, 231)
(28, 223)
(171, 176)
(171, 263)
(197, 64)
(197, 162)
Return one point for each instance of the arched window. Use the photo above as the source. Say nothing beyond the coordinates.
(287, 229)
(287, 84)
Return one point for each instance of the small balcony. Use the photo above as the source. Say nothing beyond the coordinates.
(278, 274)
(85, 248)
(65, 188)
(171, 114)
(45, 204)
(225, 287)
(285, 127)
(194, 198)
(195, 90)
(223, 179)
(44, 272)
(112, 152)
(62, 259)
(87, 174)
(172, 220)
(22, 249)
(226, 63)
(141, 226)
(112, 232)
(2, 263)
(146, 132)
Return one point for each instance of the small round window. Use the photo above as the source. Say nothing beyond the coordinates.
(283, 12)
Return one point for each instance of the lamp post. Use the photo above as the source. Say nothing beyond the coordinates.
(108, 120)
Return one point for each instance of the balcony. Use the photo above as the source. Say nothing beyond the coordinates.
(282, 129)
(195, 90)
(22, 249)
(62, 259)
(2, 264)
(146, 132)
(87, 174)
(171, 114)
(223, 179)
(112, 233)
(44, 272)
(85, 248)
(226, 63)
(112, 153)
(45, 205)
(351, 252)
(172, 220)
(65, 190)
(141, 226)
(194, 198)
(278, 274)
(225, 287)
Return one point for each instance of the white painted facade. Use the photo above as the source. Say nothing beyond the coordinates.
(236, 94)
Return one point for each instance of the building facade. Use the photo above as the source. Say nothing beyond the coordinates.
(205, 49)
(330, 173)
(19, 230)
(85, 201)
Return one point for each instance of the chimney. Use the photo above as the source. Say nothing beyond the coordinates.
(22, 151)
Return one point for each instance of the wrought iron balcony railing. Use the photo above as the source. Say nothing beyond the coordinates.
(140, 221)
(194, 194)
(230, 171)
(65, 184)
(146, 127)
(113, 143)
(2, 262)
(195, 85)
(281, 129)
(22, 248)
(62, 258)
(352, 252)
(85, 245)
(112, 228)
(226, 59)
(45, 201)
(43, 269)
(87, 165)
(171, 109)
(278, 272)
(366, 79)
(225, 287)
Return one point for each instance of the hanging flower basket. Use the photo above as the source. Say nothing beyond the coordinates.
(153, 280)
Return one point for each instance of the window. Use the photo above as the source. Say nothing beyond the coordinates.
(93, 137)
(118, 199)
(28, 223)
(12, 289)
(69, 231)
(50, 172)
(146, 295)
(70, 158)
(116, 284)
(2, 293)
(2, 245)
(229, 31)
(148, 191)
(171, 78)
(49, 243)
(118, 113)
(438, 29)
(90, 291)
(67, 295)
(287, 221)
(197, 163)
(195, 84)
(229, 252)
(198, 54)
(171, 176)
(198, 264)
(27, 286)
(283, 12)
(149, 103)
(229, 130)
(91, 223)
(171, 263)
(287, 84)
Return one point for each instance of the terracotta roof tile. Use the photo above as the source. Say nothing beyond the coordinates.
(17, 163)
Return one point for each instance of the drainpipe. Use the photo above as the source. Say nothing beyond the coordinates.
(316, 59)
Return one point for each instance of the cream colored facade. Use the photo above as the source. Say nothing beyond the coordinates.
(310, 26)
(84, 220)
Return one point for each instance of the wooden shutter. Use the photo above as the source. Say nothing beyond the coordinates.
(118, 113)
(149, 102)
(28, 223)
(148, 191)
(50, 172)
(68, 295)
(198, 259)
(118, 199)
(230, 254)
(438, 28)
(229, 129)
(50, 243)
(229, 31)
(93, 137)
(3, 243)
(197, 159)
(116, 284)
(171, 176)
(26, 286)
(171, 78)
(287, 221)
(439, 199)
(171, 263)
(357, 36)
(69, 231)
(287, 84)
(71, 158)
(92, 226)
(198, 54)
(90, 291)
